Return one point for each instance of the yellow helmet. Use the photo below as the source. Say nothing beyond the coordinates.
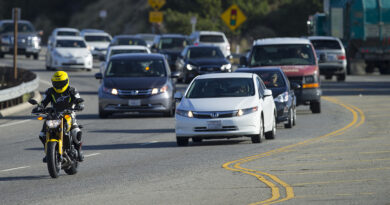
(60, 81)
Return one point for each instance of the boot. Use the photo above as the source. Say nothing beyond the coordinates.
(42, 138)
(80, 155)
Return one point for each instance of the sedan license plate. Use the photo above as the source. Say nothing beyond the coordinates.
(214, 125)
(331, 57)
(134, 102)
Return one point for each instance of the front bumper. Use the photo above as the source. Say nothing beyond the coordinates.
(332, 68)
(282, 109)
(162, 102)
(72, 63)
(306, 95)
(231, 127)
(22, 49)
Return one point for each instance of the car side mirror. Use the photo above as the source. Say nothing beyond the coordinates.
(99, 76)
(178, 96)
(243, 61)
(32, 101)
(295, 86)
(267, 92)
(229, 57)
(175, 74)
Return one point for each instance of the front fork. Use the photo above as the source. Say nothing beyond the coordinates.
(49, 138)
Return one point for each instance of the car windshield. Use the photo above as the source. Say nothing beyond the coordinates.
(67, 33)
(22, 27)
(211, 38)
(114, 52)
(98, 38)
(136, 68)
(221, 87)
(272, 79)
(172, 43)
(325, 44)
(70, 44)
(129, 41)
(204, 52)
(284, 54)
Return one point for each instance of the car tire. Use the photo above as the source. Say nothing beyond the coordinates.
(328, 77)
(182, 141)
(48, 68)
(295, 116)
(103, 114)
(271, 134)
(89, 69)
(290, 121)
(257, 138)
(197, 139)
(36, 56)
(27, 55)
(341, 77)
(186, 79)
(1, 55)
(315, 106)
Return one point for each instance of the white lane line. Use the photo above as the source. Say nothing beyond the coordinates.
(45, 82)
(7, 170)
(90, 155)
(149, 143)
(14, 123)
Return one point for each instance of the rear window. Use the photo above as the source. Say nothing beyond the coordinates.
(172, 43)
(97, 38)
(325, 44)
(67, 33)
(211, 38)
(129, 41)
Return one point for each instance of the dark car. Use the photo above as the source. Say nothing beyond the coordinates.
(28, 39)
(282, 91)
(127, 40)
(171, 46)
(201, 59)
(136, 83)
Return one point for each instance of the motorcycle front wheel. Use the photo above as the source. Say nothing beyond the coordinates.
(53, 159)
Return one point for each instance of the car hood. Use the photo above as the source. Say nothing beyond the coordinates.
(208, 61)
(217, 104)
(73, 52)
(296, 70)
(99, 44)
(134, 83)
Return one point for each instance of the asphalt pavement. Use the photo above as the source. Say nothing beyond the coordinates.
(340, 156)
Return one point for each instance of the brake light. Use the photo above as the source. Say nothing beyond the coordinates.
(196, 43)
(341, 57)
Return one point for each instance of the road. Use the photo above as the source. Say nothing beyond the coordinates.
(340, 156)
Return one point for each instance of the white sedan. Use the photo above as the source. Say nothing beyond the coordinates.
(225, 105)
(69, 52)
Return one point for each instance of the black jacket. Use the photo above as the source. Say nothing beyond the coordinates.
(61, 101)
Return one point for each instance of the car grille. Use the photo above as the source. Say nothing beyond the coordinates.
(135, 93)
(217, 114)
(70, 64)
(210, 68)
(224, 128)
(298, 80)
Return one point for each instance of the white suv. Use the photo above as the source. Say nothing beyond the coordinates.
(211, 38)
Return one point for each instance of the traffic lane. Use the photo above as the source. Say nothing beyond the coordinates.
(352, 167)
(138, 153)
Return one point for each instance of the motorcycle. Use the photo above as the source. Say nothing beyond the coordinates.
(60, 144)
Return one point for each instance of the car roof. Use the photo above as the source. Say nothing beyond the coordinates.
(259, 69)
(211, 32)
(135, 56)
(202, 46)
(69, 38)
(95, 34)
(66, 29)
(225, 75)
(278, 41)
(127, 47)
(323, 38)
(172, 35)
(127, 36)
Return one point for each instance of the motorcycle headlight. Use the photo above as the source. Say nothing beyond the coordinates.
(282, 97)
(185, 113)
(190, 67)
(246, 111)
(226, 67)
(53, 123)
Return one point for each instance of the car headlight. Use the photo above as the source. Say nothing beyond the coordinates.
(185, 113)
(226, 67)
(6, 40)
(159, 90)
(190, 67)
(246, 111)
(112, 91)
(311, 81)
(53, 123)
(282, 97)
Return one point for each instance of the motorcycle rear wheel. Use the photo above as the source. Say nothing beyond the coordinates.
(53, 159)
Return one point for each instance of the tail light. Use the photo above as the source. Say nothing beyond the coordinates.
(341, 57)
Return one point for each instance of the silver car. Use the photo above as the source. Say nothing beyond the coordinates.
(331, 56)
(214, 38)
(137, 83)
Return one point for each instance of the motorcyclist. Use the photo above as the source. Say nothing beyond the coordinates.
(62, 96)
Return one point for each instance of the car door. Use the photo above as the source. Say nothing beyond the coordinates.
(268, 106)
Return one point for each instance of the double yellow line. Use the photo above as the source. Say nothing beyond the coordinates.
(273, 181)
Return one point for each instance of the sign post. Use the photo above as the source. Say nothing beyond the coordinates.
(193, 23)
(233, 17)
(16, 14)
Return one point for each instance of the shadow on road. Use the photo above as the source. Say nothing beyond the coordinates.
(355, 88)
(140, 131)
(38, 177)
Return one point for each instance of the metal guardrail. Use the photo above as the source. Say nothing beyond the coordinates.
(20, 90)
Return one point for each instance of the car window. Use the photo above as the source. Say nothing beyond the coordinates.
(221, 87)
(98, 38)
(325, 44)
(211, 38)
(22, 27)
(272, 79)
(114, 52)
(282, 54)
(70, 44)
(260, 88)
(136, 68)
(67, 33)
(172, 43)
(204, 52)
(129, 41)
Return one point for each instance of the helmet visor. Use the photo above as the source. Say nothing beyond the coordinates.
(60, 84)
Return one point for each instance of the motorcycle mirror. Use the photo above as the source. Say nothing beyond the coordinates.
(32, 101)
(79, 100)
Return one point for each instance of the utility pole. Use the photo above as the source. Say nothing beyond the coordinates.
(15, 15)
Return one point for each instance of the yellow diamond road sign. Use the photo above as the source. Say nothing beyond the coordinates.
(156, 4)
(155, 16)
(233, 17)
